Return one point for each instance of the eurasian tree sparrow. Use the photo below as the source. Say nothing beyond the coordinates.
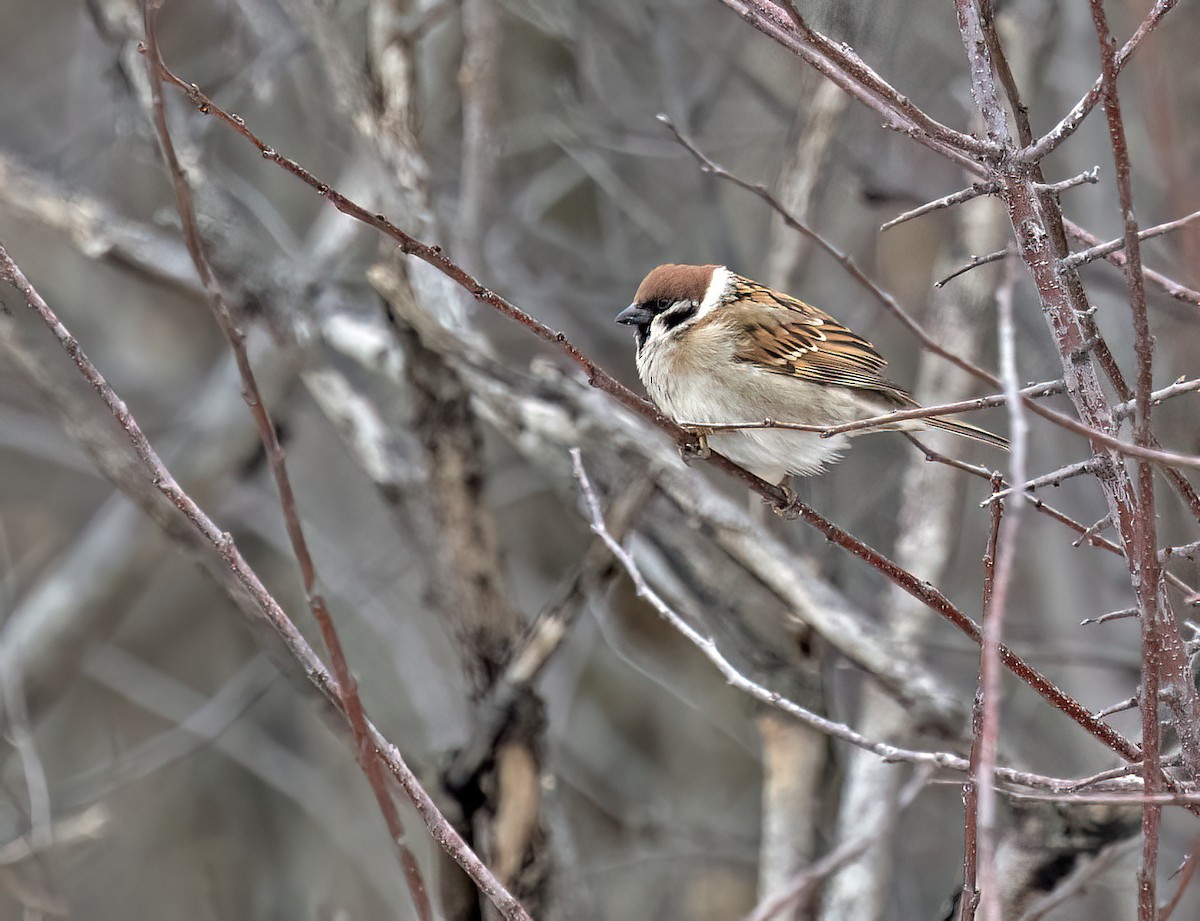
(714, 347)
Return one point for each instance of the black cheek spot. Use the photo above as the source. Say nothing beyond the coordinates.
(680, 314)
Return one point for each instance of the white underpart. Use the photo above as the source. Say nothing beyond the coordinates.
(769, 453)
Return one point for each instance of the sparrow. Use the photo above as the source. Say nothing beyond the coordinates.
(716, 348)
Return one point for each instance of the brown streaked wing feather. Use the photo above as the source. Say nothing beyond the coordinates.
(788, 336)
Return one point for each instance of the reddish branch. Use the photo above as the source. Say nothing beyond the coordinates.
(1142, 542)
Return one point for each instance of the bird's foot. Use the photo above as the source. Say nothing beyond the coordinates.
(786, 506)
(698, 451)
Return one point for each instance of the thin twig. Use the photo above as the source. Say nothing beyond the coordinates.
(1047, 388)
(1119, 707)
(1189, 551)
(1054, 478)
(1126, 409)
(882, 421)
(1089, 177)
(1111, 615)
(1173, 288)
(1112, 246)
(976, 262)
(1096, 527)
(948, 201)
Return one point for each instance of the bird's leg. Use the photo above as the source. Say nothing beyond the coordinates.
(698, 451)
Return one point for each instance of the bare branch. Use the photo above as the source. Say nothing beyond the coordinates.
(976, 262)
(1065, 128)
(1126, 409)
(882, 421)
(1111, 615)
(1112, 246)
(1089, 177)
(1054, 478)
(957, 198)
(1119, 707)
(1176, 290)
(839, 63)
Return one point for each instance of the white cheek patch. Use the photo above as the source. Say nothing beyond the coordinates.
(716, 290)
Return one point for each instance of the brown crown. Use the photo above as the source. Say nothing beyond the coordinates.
(675, 283)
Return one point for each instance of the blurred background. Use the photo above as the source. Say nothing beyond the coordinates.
(160, 762)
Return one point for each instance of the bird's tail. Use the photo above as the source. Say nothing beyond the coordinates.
(967, 431)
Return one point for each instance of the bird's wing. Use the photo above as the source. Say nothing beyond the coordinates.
(784, 335)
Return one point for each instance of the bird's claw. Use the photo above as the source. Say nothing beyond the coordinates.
(697, 451)
(785, 507)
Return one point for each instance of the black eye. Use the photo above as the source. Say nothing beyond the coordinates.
(658, 306)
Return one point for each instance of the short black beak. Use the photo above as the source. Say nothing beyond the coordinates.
(635, 315)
